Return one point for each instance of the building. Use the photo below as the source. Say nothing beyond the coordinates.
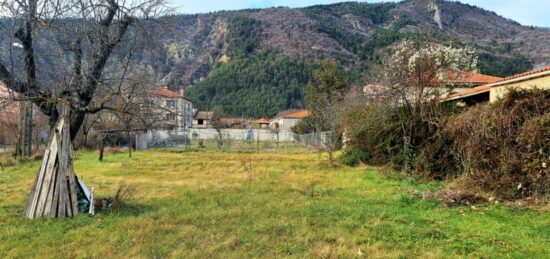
(234, 123)
(284, 121)
(203, 119)
(446, 84)
(262, 123)
(459, 82)
(492, 92)
(168, 109)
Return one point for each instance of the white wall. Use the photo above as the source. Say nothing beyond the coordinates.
(148, 139)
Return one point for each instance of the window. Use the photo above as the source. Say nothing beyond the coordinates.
(170, 103)
(201, 122)
(170, 116)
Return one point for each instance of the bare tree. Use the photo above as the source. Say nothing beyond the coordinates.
(325, 98)
(85, 35)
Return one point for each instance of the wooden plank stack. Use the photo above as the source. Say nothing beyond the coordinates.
(54, 191)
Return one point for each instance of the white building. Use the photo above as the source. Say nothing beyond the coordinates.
(168, 109)
(284, 121)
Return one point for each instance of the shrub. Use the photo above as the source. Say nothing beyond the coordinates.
(504, 147)
(353, 157)
(391, 136)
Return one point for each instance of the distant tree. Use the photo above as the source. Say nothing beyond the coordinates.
(325, 96)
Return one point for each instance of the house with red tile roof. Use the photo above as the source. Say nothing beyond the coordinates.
(261, 123)
(449, 83)
(492, 92)
(168, 109)
(284, 121)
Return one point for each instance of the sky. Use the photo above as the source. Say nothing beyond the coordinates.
(526, 12)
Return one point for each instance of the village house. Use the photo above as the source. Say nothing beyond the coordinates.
(262, 123)
(168, 109)
(492, 92)
(284, 121)
(446, 84)
(203, 119)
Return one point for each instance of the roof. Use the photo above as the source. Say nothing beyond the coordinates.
(528, 73)
(203, 115)
(233, 120)
(470, 78)
(467, 93)
(262, 121)
(300, 114)
(164, 92)
(487, 87)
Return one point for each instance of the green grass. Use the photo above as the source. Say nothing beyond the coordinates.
(201, 204)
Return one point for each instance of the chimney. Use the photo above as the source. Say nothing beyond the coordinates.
(182, 92)
(165, 87)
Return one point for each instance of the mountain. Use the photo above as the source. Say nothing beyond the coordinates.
(254, 63)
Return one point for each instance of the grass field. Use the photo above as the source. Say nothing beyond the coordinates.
(202, 204)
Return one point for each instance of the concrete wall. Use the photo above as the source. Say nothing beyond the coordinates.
(498, 92)
(161, 138)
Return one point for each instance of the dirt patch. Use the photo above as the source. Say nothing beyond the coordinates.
(453, 197)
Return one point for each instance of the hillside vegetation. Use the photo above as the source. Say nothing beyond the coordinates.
(218, 53)
(356, 35)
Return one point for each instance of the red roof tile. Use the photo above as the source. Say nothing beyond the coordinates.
(471, 78)
(164, 92)
(487, 87)
(297, 115)
(262, 121)
(528, 73)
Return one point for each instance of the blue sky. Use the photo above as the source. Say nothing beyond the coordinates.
(527, 12)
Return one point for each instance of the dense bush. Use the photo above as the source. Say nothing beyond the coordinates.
(379, 132)
(503, 148)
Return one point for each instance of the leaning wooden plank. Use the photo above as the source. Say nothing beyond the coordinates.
(47, 178)
(62, 172)
(72, 187)
(53, 195)
(52, 203)
(33, 197)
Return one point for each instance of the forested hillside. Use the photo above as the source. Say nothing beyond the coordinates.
(256, 62)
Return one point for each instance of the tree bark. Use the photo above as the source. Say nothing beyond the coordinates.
(101, 147)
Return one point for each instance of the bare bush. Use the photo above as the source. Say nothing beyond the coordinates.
(505, 147)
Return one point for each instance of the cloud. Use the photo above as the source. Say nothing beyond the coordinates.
(527, 12)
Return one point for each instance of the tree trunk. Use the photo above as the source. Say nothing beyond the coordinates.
(330, 157)
(101, 147)
(128, 135)
(24, 139)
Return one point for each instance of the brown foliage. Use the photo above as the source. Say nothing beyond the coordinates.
(505, 147)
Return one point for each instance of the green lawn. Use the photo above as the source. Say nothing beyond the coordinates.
(201, 204)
